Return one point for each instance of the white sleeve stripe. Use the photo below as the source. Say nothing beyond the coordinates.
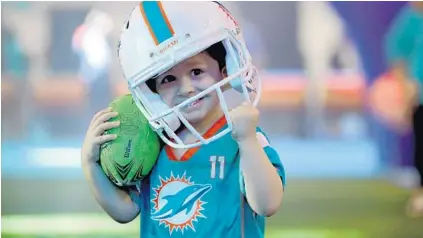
(262, 139)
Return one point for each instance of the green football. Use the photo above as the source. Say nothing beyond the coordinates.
(131, 156)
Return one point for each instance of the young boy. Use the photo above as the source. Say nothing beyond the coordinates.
(229, 183)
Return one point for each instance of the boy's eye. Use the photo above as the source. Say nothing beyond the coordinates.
(168, 79)
(196, 72)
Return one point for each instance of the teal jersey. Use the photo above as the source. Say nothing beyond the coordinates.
(404, 41)
(201, 195)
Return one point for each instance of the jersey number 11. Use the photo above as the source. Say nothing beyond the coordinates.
(221, 160)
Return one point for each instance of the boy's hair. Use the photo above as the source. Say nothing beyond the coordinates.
(216, 51)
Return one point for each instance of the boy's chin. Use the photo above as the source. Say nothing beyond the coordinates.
(195, 116)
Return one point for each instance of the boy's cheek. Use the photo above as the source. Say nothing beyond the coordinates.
(167, 96)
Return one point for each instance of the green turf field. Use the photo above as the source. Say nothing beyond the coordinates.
(311, 209)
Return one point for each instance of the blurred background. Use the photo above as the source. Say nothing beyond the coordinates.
(331, 106)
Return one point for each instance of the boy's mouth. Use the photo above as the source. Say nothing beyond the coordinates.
(194, 103)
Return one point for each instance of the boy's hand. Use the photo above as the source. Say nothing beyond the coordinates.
(94, 138)
(244, 121)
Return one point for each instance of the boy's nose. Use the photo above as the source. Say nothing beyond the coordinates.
(186, 88)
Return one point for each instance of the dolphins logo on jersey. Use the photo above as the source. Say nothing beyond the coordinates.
(177, 202)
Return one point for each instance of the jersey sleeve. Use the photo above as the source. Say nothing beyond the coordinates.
(272, 155)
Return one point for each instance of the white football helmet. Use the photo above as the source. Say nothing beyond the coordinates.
(158, 36)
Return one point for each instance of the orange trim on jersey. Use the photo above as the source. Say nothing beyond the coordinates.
(165, 18)
(150, 28)
(190, 152)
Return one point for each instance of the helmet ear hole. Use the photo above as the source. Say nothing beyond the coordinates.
(127, 24)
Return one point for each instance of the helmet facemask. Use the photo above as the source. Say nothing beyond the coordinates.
(241, 84)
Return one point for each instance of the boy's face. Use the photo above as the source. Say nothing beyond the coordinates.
(186, 80)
